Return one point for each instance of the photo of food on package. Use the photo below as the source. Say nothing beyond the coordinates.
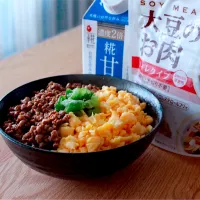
(192, 139)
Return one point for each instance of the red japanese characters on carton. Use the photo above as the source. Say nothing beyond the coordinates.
(165, 57)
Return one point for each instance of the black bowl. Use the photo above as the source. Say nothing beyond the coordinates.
(78, 165)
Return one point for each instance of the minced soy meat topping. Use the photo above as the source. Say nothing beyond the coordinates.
(35, 122)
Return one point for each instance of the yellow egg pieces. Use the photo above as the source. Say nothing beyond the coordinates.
(122, 121)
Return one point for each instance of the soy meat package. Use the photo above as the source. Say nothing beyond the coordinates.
(164, 41)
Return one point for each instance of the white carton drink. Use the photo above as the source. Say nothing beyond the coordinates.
(104, 41)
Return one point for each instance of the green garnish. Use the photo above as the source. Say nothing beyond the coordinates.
(93, 102)
(81, 94)
(58, 105)
(78, 100)
(68, 93)
(73, 105)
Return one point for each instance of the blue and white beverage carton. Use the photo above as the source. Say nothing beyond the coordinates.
(105, 39)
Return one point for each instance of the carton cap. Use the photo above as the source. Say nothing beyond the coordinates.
(115, 7)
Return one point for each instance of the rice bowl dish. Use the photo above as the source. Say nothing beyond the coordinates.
(78, 118)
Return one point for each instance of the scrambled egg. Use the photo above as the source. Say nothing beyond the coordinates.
(121, 121)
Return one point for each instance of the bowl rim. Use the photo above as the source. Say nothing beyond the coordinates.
(16, 142)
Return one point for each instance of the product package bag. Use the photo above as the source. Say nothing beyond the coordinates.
(164, 43)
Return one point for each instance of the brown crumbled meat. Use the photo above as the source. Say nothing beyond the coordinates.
(79, 85)
(35, 122)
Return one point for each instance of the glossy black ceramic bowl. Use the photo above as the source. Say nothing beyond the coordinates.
(77, 165)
